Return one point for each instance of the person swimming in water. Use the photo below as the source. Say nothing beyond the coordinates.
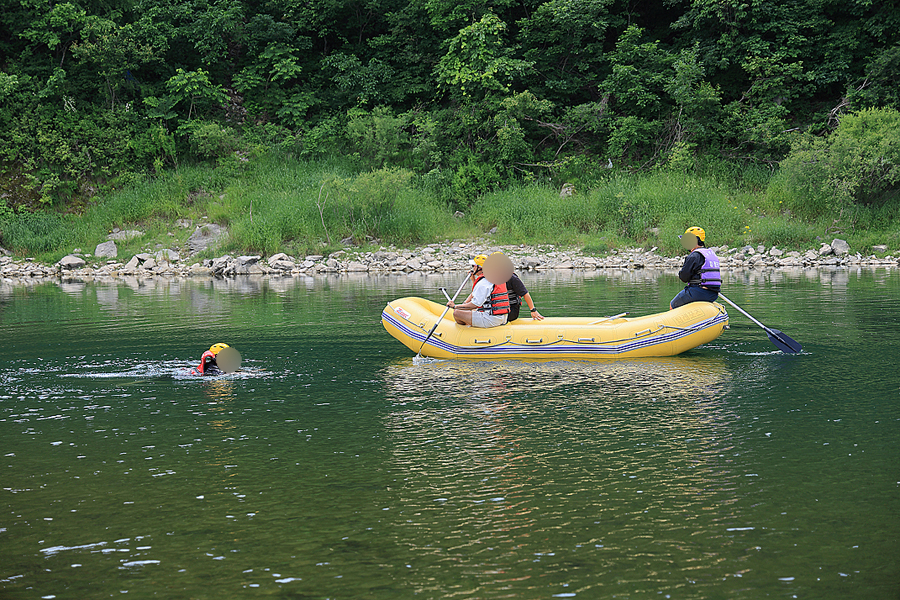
(208, 364)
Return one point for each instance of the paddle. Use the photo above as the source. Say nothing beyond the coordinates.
(608, 318)
(441, 318)
(781, 340)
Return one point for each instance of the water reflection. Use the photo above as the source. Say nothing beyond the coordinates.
(519, 469)
(653, 376)
(403, 282)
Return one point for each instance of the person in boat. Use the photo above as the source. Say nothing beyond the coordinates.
(701, 271)
(208, 364)
(518, 295)
(487, 305)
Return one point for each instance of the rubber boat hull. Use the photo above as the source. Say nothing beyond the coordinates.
(662, 334)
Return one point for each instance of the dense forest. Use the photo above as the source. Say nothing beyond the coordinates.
(477, 95)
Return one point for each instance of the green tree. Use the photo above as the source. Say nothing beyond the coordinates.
(477, 62)
(566, 41)
(114, 52)
(193, 88)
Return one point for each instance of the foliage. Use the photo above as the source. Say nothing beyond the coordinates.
(478, 95)
(477, 64)
(857, 165)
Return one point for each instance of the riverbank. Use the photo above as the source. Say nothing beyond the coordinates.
(432, 258)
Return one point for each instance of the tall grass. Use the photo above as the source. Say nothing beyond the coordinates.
(275, 203)
(650, 210)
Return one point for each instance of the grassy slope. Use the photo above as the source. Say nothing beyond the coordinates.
(273, 204)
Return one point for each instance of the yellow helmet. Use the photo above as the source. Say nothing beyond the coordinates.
(698, 232)
(216, 348)
(478, 261)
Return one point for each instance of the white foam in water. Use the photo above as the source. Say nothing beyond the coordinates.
(175, 369)
(418, 359)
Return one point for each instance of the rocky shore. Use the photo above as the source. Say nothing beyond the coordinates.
(442, 257)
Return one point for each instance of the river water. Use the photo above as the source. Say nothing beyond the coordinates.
(331, 466)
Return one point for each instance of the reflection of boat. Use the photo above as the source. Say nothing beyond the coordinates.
(689, 377)
(662, 334)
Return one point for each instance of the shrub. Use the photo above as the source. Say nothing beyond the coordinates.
(857, 164)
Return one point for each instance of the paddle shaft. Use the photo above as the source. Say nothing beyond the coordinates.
(743, 312)
(608, 318)
(441, 318)
(784, 342)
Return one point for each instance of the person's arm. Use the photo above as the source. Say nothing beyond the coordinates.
(482, 291)
(692, 264)
(534, 311)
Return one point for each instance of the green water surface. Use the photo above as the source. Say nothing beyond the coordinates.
(331, 466)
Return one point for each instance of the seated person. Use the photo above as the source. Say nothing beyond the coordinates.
(518, 294)
(701, 270)
(487, 305)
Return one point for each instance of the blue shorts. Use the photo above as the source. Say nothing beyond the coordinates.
(693, 293)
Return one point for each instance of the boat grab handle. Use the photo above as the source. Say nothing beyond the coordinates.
(487, 341)
(537, 341)
(585, 339)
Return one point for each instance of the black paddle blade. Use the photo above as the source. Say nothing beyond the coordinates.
(784, 342)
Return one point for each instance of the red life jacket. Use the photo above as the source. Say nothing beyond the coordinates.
(498, 301)
(203, 359)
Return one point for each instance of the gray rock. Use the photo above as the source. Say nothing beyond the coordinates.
(246, 261)
(148, 264)
(70, 262)
(879, 248)
(283, 265)
(124, 235)
(281, 256)
(775, 252)
(530, 262)
(826, 250)
(357, 267)
(106, 250)
(205, 237)
(166, 256)
(840, 247)
(218, 265)
(132, 264)
(315, 257)
(414, 264)
(198, 269)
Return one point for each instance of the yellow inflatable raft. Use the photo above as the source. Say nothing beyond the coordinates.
(662, 334)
